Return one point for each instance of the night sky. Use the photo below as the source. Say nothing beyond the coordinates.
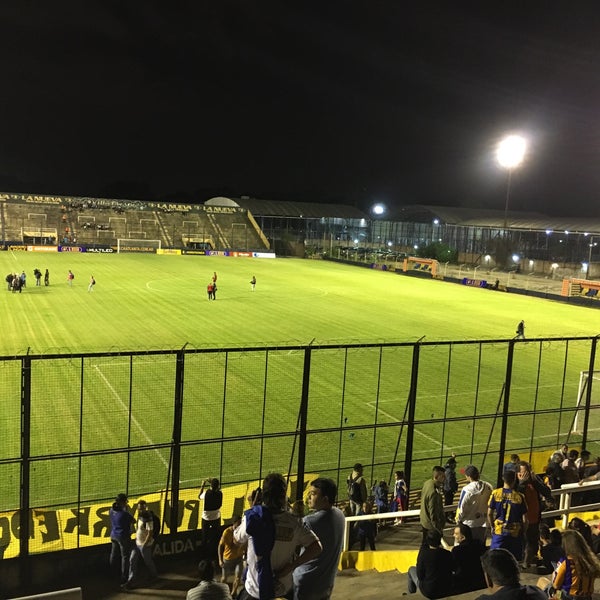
(329, 101)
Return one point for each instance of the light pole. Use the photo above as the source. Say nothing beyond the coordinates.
(510, 154)
(589, 262)
(378, 211)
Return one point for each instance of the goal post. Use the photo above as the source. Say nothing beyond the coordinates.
(137, 245)
(586, 385)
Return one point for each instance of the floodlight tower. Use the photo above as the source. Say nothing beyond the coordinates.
(377, 211)
(510, 154)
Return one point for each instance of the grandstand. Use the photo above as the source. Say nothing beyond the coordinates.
(69, 221)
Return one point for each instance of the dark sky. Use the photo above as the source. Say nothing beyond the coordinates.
(344, 101)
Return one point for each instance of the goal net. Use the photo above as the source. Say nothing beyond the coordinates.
(587, 385)
(134, 245)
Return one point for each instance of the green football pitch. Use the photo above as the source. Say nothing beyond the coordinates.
(148, 302)
(158, 302)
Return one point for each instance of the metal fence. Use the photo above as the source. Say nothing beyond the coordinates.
(80, 428)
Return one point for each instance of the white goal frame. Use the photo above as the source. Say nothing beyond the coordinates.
(584, 379)
(124, 243)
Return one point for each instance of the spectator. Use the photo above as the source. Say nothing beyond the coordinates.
(570, 470)
(502, 575)
(211, 516)
(273, 535)
(121, 524)
(554, 471)
(357, 489)
(550, 547)
(536, 493)
(507, 516)
(592, 467)
(450, 483)
(367, 529)
(433, 573)
(575, 575)
(473, 503)
(563, 451)
(231, 556)
(583, 462)
(144, 541)
(207, 589)
(381, 495)
(511, 465)
(432, 516)
(314, 580)
(584, 529)
(466, 559)
(400, 494)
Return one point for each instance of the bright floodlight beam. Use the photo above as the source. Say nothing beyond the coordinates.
(510, 154)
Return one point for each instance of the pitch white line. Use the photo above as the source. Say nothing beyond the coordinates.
(133, 419)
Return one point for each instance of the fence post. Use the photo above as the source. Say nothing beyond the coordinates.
(24, 507)
(588, 393)
(302, 423)
(505, 405)
(176, 441)
(410, 425)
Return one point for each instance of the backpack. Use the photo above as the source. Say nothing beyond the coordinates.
(354, 491)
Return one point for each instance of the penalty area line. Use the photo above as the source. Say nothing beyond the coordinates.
(133, 419)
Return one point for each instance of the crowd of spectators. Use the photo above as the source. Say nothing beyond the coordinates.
(301, 562)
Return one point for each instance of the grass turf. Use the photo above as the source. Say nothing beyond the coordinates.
(159, 302)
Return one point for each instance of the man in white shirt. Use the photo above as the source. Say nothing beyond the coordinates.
(273, 534)
(144, 541)
(473, 503)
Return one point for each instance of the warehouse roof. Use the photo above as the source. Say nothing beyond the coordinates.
(484, 217)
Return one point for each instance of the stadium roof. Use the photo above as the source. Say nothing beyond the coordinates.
(298, 210)
(466, 217)
(483, 217)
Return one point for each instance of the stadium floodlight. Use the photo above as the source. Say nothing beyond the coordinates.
(515, 258)
(378, 209)
(589, 260)
(510, 154)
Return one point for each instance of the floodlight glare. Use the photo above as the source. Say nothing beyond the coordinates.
(378, 209)
(515, 257)
(511, 151)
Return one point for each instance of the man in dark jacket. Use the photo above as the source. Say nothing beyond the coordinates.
(121, 523)
(466, 557)
(433, 573)
(432, 515)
